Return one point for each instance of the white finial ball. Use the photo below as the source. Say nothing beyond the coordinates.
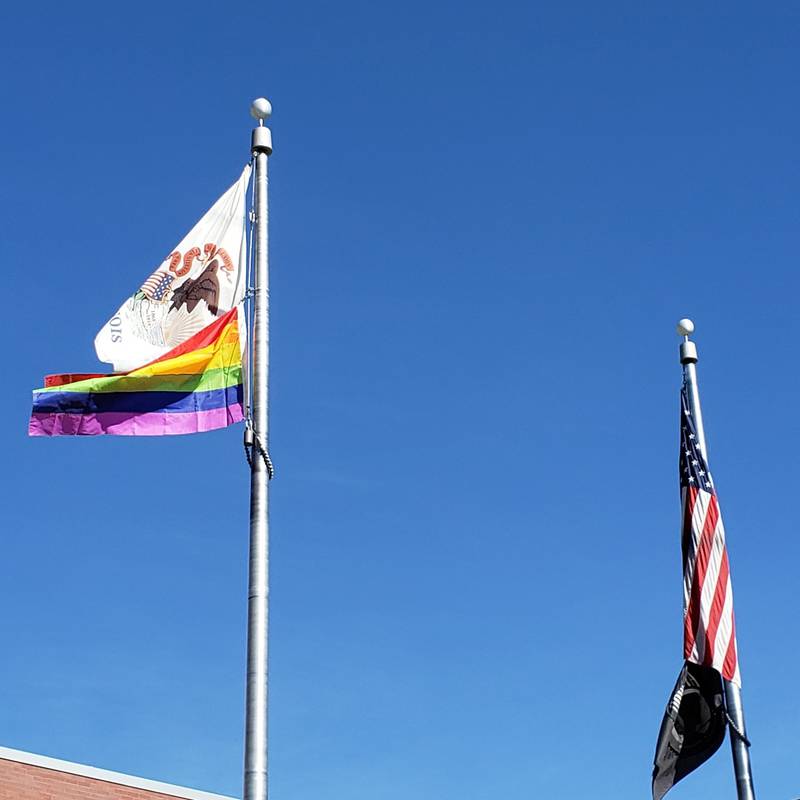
(685, 327)
(260, 108)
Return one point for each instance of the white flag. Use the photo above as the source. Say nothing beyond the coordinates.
(201, 279)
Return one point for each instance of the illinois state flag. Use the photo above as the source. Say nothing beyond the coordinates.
(201, 279)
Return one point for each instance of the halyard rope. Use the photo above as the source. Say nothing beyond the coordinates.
(735, 729)
(256, 444)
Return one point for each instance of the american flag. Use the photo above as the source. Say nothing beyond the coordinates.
(709, 635)
(157, 285)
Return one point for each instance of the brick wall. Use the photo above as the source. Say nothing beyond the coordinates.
(26, 782)
(60, 780)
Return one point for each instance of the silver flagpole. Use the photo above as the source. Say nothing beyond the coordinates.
(257, 442)
(733, 694)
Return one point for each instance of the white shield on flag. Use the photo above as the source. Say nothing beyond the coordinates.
(201, 279)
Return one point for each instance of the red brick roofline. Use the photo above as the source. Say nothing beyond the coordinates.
(94, 773)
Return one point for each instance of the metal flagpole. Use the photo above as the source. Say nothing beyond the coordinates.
(733, 694)
(256, 443)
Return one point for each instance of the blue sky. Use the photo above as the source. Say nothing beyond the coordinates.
(485, 222)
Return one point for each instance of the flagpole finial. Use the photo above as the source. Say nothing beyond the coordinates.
(685, 327)
(260, 109)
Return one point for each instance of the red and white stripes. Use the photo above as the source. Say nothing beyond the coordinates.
(709, 634)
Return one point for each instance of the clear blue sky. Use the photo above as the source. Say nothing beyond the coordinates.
(486, 219)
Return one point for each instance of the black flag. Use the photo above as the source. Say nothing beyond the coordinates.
(692, 729)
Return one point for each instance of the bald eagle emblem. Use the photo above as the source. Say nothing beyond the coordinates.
(204, 287)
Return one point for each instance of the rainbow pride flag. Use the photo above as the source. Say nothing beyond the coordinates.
(196, 386)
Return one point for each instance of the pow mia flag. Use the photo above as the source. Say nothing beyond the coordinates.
(693, 727)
